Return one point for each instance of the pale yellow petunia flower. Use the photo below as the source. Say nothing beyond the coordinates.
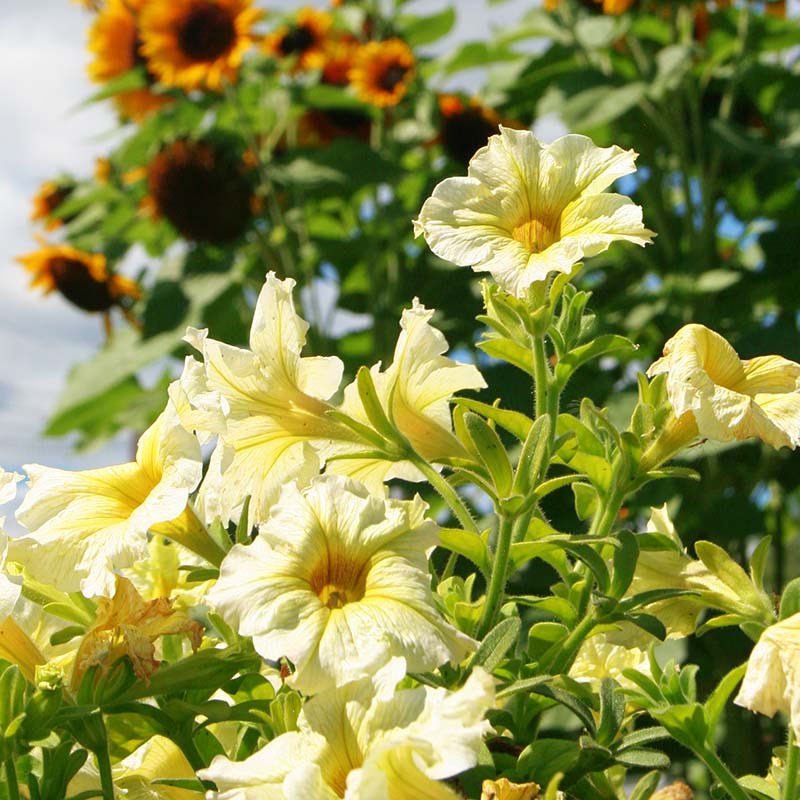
(84, 525)
(414, 393)
(337, 581)
(367, 741)
(526, 209)
(268, 405)
(728, 398)
(772, 680)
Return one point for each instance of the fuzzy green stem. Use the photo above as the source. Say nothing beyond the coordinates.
(541, 376)
(447, 493)
(104, 768)
(11, 779)
(725, 777)
(790, 778)
(497, 583)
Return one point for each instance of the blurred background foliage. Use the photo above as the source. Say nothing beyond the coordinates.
(307, 142)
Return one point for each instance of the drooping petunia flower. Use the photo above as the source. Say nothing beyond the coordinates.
(367, 741)
(772, 680)
(414, 392)
(526, 209)
(337, 581)
(196, 44)
(382, 72)
(128, 625)
(719, 396)
(85, 524)
(274, 402)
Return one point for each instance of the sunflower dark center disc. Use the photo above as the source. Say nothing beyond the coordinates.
(76, 284)
(206, 32)
(296, 40)
(392, 76)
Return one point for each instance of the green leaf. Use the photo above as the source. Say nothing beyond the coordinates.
(790, 599)
(499, 640)
(612, 712)
(625, 558)
(532, 457)
(644, 736)
(509, 351)
(467, 544)
(476, 54)
(758, 562)
(715, 703)
(596, 106)
(673, 64)
(546, 758)
(643, 758)
(418, 31)
(602, 345)
(730, 573)
(646, 785)
(600, 32)
(525, 685)
(514, 422)
(129, 81)
(586, 501)
(372, 405)
(491, 452)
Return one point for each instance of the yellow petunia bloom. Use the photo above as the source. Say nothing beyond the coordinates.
(772, 680)
(368, 741)
(717, 395)
(84, 525)
(272, 406)
(600, 657)
(196, 44)
(504, 789)
(135, 777)
(526, 209)
(337, 581)
(414, 392)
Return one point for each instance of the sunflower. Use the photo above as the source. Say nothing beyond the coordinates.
(196, 43)
(202, 190)
(382, 72)
(304, 39)
(466, 126)
(46, 201)
(320, 126)
(82, 278)
(114, 41)
(339, 57)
